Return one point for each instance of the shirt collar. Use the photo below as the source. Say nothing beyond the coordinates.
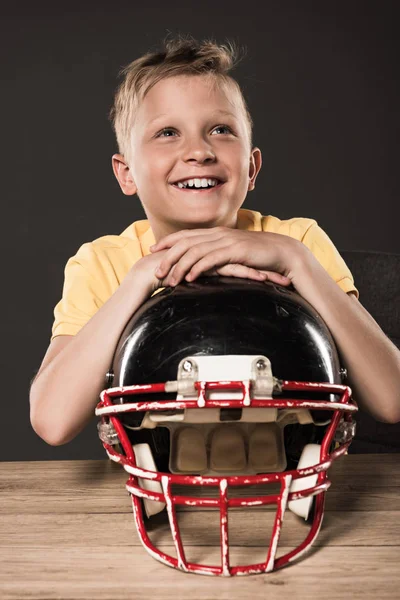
(249, 220)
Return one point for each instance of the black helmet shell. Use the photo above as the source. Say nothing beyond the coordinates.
(225, 315)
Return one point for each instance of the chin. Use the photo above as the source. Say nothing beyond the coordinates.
(205, 216)
(199, 221)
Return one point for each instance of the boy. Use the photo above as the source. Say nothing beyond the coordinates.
(182, 123)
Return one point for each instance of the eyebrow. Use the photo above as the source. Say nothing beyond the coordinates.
(218, 111)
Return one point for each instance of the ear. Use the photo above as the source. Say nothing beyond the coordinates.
(123, 174)
(254, 168)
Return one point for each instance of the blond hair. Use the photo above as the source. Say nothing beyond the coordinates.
(182, 55)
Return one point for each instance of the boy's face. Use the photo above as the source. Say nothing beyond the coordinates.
(182, 132)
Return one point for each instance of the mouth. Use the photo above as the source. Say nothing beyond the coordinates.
(199, 190)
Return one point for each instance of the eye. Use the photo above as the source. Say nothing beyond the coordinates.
(223, 127)
(169, 129)
(164, 131)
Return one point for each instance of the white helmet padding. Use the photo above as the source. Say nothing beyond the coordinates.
(144, 459)
(310, 456)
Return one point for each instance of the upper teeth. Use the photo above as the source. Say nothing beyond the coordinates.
(197, 183)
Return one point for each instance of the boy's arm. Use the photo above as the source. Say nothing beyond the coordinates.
(371, 359)
(66, 390)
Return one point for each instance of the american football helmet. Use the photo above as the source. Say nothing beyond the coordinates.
(224, 384)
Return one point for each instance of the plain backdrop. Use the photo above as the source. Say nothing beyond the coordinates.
(321, 80)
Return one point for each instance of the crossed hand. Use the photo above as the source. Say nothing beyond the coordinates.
(225, 251)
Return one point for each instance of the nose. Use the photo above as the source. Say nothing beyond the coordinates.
(198, 150)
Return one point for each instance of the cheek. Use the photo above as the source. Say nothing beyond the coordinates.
(156, 168)
(239, 161)
(242, 170)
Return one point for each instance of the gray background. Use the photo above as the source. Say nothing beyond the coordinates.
(321, 80)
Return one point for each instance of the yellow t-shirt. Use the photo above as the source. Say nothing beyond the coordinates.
(98, 268)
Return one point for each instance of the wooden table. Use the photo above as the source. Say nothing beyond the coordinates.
(67, 531)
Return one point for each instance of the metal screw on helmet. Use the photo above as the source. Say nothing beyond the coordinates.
(261, 366)
(109, 378)
(187, 366)
(343, 373)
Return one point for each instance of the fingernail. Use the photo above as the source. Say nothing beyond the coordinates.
(158, 271)
(152, 247)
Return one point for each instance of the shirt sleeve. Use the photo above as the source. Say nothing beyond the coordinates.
(82, 295)
(328, 256)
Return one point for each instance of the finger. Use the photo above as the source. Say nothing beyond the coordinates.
(235, 270)
(277, 278)
(173, 255)
(217, 259)
(180, 259)
(170, 240)
(238, 270)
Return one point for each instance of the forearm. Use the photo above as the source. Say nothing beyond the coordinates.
(371, 359)
(63, 397)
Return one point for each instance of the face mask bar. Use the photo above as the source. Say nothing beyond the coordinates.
(341, 430)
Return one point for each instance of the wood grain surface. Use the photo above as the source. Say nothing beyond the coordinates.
(67, 531)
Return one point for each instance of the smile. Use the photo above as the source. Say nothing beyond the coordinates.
(198, 190)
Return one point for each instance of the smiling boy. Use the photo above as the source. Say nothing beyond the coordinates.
(181, 124)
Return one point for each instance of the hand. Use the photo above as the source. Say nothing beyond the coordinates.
(144, 268)
(225, 251)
